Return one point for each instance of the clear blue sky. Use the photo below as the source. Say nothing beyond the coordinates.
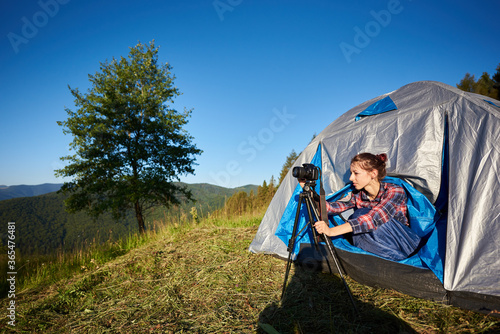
(262, 76)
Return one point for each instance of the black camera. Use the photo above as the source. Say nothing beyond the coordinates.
(307, 171)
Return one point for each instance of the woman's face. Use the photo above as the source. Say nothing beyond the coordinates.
(361, 177)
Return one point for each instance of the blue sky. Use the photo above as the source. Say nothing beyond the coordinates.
(262, 77)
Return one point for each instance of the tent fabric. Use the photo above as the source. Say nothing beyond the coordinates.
(414, 138)
(381, 106)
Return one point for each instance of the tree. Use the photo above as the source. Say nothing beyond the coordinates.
(130, 145)
(262, 194)
(468, 83)
(237, 204)
(271, 189)
(290, 160)
(484, 85)
(496, 80)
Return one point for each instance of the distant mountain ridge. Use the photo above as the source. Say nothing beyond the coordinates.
(8, 192)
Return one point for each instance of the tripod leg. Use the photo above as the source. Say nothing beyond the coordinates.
(333, 253)
(288, 266)
(310, 210)
(291, 244)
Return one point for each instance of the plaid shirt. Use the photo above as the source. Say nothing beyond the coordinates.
(389, 203)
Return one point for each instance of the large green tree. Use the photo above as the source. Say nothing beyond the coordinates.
(129, 143)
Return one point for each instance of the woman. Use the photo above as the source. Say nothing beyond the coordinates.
(379, 223)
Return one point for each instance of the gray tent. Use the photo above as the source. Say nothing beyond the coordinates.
(446, 144)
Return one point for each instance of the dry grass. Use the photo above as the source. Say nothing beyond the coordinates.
(202, 279)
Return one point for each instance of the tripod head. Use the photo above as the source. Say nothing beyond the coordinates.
(310, 185)
(309, 189)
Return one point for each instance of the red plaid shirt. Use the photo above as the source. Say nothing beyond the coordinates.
(389, 203)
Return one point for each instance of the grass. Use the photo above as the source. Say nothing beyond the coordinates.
(200, 278)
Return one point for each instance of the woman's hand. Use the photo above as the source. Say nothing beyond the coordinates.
(302, 182)
(322, 228)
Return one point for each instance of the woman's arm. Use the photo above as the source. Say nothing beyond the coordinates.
(322, 227)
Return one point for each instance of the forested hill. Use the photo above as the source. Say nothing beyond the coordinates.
(27, 191)
(43, 226)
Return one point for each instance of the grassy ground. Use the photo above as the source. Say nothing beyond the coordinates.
(202, 279)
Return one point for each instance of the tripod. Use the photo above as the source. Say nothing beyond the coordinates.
(307, 197)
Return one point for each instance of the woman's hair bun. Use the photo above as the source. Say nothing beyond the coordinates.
(382, 157)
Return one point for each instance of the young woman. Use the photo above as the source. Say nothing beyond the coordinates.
(379, 223)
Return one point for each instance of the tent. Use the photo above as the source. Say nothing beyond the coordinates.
(445, 144)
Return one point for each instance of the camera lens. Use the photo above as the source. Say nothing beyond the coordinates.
(308, 172)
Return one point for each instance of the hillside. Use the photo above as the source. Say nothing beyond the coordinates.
(7, 192)
(43, 226)
(200, 278)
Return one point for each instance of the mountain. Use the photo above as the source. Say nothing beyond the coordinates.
(199, 190)
(7, 192)
(43, 226)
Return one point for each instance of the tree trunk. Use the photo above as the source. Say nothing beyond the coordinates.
(140, 218)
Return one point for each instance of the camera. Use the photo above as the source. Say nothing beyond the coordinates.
(307, 171)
